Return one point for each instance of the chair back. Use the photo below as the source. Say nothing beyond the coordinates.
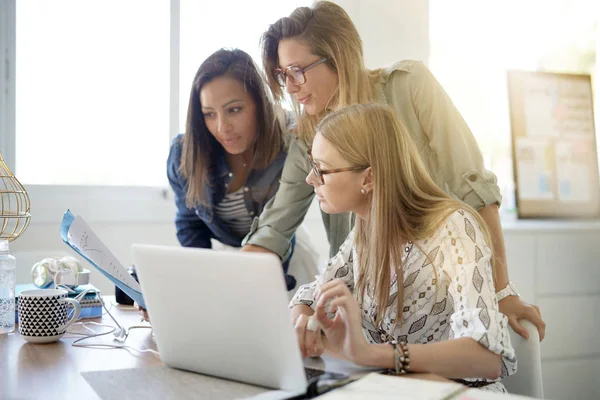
(528, 379)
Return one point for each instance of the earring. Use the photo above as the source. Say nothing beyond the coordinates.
(363, 191)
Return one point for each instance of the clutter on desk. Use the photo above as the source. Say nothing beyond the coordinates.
(45, 315)
(65, 271)
(91, 306)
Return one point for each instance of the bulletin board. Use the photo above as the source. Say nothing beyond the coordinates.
(555, 160)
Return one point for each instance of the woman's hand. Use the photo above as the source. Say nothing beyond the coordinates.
(515, 309)
(143, 312)
(344, 332)
(252, 248)
(309, 337)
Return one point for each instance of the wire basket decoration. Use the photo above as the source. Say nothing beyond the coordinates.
(14, 205)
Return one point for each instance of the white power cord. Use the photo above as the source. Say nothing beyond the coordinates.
(77, 343)
(120, 334)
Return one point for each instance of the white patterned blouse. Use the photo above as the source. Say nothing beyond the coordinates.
(451, 299)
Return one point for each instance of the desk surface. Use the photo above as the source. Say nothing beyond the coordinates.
(34, 371)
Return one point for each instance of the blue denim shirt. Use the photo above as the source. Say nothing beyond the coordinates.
(196, 226)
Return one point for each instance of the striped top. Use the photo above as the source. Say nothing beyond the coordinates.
(234, 214)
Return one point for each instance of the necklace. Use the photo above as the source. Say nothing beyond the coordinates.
(408, 248)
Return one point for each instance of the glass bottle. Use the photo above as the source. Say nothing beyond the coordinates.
(7, 288)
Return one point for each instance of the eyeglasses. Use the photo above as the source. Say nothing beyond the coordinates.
(320, 172)
(294, 73)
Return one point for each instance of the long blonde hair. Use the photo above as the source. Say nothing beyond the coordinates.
(330, 33)
(405, 205)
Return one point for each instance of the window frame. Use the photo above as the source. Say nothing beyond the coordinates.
(98, 203)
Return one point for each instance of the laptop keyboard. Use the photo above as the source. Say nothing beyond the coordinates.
(311, 373)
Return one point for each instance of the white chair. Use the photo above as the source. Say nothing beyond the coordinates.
(305, 261)
(528, 379)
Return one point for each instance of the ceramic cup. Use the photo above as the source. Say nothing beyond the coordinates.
(43, 314)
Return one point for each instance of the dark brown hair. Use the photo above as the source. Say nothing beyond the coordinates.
(200, 148)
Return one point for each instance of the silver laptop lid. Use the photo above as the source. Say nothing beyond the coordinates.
(221, 313)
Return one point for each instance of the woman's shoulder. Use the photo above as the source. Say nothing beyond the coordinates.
(177, 143)
(458, 239)
(461, 220)
(176, 150)
(462, 232)
(405, 68)
(394, 84)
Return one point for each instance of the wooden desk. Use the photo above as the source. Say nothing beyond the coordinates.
(36, 371)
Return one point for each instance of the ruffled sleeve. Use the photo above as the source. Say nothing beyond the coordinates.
(467, 262)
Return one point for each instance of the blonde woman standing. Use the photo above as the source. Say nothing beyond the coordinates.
(316, 55)
(430, 265)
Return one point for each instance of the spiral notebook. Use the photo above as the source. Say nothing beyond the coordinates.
(77, 234)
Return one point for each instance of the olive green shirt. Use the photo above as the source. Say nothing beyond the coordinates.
(443, 138)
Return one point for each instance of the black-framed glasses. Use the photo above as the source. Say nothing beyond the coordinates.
(294, 73)
(320, 172)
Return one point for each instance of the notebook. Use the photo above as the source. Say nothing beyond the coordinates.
(91, 306)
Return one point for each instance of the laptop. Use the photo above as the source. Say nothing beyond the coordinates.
(224, 314)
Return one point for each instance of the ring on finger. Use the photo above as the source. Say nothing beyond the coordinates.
(312, 325)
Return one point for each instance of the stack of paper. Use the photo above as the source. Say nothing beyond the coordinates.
(377, 387)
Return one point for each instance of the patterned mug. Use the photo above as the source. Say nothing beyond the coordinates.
(43, 314)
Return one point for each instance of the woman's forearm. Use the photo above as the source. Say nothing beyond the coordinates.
(457, 358)
(300, 309)
(492, 217)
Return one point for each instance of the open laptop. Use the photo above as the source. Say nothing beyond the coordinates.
(223, 314)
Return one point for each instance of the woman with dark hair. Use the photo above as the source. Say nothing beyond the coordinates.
(227, 164)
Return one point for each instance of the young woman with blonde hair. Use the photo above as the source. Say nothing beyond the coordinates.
(415, 250)
(316, 55)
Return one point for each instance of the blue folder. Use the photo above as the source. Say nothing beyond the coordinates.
(65, 225)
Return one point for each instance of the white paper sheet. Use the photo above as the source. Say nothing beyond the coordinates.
(77, 234)
(376, 387)
(573, 175)
(534, 169)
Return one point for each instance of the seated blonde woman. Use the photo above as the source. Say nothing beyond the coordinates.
(421, 254)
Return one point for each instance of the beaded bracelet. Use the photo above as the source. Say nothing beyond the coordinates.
(401, 357)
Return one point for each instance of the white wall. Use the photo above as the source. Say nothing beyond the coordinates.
(391, 30)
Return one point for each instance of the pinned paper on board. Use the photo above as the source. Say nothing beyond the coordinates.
(542, 109)
(534, 169)
(555, 161)
(78, 235)
(572, 172)
(557, 108)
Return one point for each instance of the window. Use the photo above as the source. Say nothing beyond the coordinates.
(94, 82)
(474, 43)
(209, 26)
(92, 92)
